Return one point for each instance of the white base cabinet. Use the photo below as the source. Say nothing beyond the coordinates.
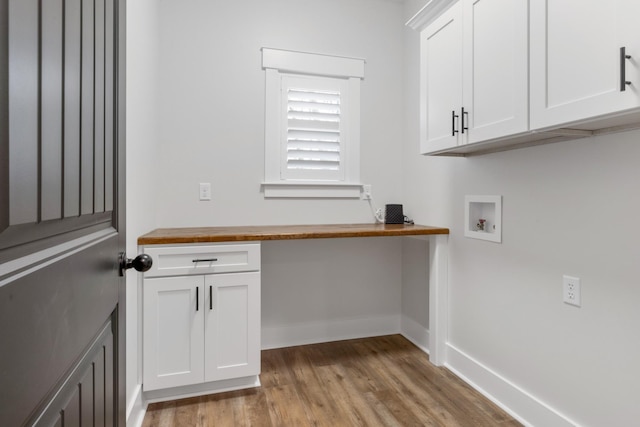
(201, 328)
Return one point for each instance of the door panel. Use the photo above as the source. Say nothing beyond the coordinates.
(61, 211)
(173, 322)
(99, 107)
(86, 113)
(87, 387)
(70, 414)
(232, 332)
(4, 118)
(50, 144)
(109, 111)
(60, 161)
(47, 321)
(86, 392)
(72, 67)
(575, 59)
(579, 47)
(496, 68)
(441, 83)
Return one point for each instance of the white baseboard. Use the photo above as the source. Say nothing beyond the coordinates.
(201, 389)
(415, 332)
(136, 408)
(520, 404)
(333, 330)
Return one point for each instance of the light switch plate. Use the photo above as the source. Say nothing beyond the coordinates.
(205, 191)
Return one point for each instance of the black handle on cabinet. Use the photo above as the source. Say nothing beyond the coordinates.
(204, 260)
(197, 299)
(464, 113)
(454, 116)
(210, 297)
(623, 68)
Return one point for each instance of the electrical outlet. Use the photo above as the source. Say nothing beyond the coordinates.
(571, 290)
(366, 192)
(205, 191)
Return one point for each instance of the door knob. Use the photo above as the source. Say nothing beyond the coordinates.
(142, 263)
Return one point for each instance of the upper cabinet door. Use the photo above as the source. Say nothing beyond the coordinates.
(441, 81)
(496, 69)
(576, 66)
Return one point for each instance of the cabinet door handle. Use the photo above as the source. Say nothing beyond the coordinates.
(210, 297)
(464, 114)
(454, 116)
(204, 260)
(623, 68)
(197, 299)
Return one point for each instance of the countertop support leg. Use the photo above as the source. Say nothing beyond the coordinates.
(438, 298)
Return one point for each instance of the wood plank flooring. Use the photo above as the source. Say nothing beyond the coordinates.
(381, 381)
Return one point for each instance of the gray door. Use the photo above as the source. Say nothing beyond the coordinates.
(61, 212)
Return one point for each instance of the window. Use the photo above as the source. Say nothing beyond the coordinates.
(312, 128)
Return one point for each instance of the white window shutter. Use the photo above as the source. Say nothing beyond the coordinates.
(313, 132)
(312, 125)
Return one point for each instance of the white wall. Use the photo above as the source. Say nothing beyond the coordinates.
(329, 289)
(569, 208)
(142, 143)
(212, 104)
(211, 129)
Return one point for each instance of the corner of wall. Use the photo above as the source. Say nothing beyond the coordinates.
(520, 404)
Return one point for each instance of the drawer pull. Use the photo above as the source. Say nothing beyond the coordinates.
(205, 260)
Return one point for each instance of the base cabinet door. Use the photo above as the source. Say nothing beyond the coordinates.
(577, 68)
(232, 326)
(173, 331)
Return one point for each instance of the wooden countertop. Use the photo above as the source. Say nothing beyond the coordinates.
(162, 236)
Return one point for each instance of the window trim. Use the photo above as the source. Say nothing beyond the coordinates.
(278, 63)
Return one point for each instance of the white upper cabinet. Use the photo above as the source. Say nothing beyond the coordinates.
(496, 68)
(441, 81)
(577, 72)
(502, 74)
(474, 74)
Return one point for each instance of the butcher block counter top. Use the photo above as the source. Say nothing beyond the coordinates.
(163, 236)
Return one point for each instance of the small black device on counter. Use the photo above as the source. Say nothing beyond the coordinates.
(393, 214)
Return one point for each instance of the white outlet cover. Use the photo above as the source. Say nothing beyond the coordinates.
(366, 192)
(571, 290)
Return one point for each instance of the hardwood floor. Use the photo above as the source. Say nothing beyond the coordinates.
(381, 381)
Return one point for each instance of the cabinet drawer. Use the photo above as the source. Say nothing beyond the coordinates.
(210, 259)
